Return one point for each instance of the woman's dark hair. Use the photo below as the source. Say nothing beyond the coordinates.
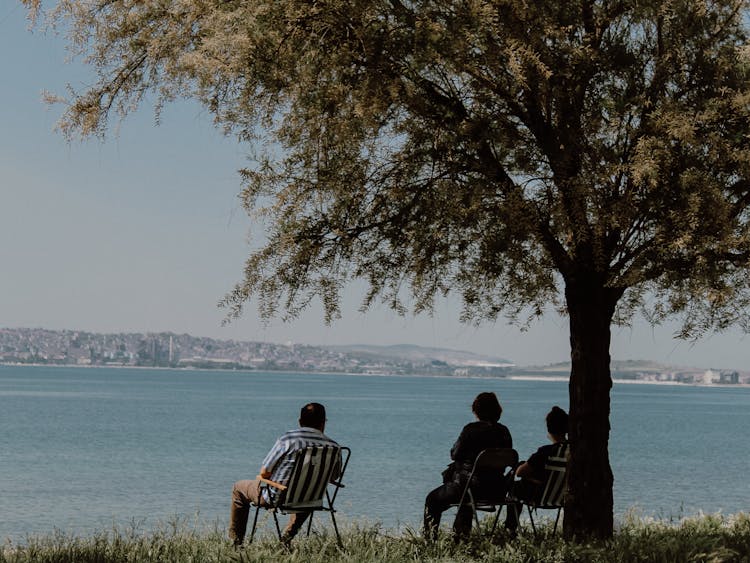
(487, 407)
(312, 415)
(557, 421)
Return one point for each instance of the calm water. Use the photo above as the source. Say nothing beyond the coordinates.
(83, 449)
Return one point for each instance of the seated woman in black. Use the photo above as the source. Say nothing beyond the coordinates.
(487, 432)
(532, 472)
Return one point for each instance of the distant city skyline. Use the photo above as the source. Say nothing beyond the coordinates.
(145, 233)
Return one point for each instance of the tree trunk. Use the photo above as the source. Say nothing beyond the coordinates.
(589, 504)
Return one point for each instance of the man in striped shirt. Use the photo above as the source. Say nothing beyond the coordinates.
(277, 466)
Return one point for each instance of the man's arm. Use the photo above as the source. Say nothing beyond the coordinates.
(272, 458)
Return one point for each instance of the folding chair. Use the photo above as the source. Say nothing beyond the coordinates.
(553, 494)
(315, 467)
(495, 460)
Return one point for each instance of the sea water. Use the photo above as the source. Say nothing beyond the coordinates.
(85, 449)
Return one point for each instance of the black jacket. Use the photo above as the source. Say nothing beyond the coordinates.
(475, 437)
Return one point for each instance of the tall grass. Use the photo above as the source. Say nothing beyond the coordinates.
(714, 539)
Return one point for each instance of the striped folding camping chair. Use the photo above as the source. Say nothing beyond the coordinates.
(315, 468)
(553, 494)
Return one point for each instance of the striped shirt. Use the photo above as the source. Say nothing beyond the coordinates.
(280, 460)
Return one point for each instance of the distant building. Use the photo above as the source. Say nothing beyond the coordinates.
(710, 377)
(729, 378)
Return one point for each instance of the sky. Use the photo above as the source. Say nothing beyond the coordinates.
(144, 232)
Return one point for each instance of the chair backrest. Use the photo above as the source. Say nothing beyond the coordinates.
(496, 458)
(553, 495)
(314, 468)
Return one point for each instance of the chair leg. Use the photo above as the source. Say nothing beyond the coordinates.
(554, 530)
(473, 508)
(309, 522)
(255, 523)
(278, 528)
(336, 528)
(497, 517)
(531, 517)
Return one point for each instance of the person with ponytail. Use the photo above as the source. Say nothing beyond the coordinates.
(531, 471)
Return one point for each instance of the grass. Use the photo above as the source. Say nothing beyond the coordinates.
(714, 539)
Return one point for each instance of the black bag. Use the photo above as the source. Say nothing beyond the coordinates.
(457, 473)
(448, 473)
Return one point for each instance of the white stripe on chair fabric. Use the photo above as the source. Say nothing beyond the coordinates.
(310, 476)
(554, 491)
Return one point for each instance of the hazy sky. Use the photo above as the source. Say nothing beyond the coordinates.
(144, 232)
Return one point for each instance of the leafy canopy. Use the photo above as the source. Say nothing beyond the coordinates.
(500, 149)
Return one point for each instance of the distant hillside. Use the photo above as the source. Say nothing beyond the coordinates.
(167, 349)
(424, 354)
(645, 370)
(615, 366)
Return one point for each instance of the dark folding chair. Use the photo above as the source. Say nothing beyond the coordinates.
(315, 468)
(553, 494)
(490, 500)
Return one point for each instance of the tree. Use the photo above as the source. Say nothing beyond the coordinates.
(589, 155)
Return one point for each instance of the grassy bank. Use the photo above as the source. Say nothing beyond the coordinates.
(712, 539)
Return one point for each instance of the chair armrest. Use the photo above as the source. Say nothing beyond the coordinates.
(273, 484)
(338, 484)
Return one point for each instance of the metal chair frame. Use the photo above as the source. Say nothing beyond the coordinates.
(490, 458)
(295, 497)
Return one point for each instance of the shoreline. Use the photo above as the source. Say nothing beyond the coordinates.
(511, 377)
(634, 382)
